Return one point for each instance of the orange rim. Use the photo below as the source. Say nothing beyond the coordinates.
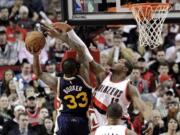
(145, 5)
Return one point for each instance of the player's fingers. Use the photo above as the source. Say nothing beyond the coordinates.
(58, 29)
(57, 24)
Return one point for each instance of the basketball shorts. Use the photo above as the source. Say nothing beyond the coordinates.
(72, 125)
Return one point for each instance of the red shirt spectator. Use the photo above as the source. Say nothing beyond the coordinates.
(11, 32)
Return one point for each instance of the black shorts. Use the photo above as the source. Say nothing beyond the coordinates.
(72, 125)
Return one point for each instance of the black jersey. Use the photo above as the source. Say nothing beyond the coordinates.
(75, 95)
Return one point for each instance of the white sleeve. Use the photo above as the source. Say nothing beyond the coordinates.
(80, 44)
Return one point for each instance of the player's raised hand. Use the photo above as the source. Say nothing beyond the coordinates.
(62, 27)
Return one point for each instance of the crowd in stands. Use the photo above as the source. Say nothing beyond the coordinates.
(27, 103)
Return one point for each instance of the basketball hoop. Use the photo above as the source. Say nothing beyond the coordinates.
(150, 18)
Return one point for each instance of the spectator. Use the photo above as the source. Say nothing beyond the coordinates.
(170, 39)
(25, 77)
(12, 93)
(46, 4)
(173, 52)
(152, 97)
(5, 111)
(4, 16)
(15, 33)
(137, 81)
(25, 22)
(43, 114)
(8, 52)
(13, 123)
(34, 6)
(159, 58)
(163, 69)
(173, 109)
(172, 127)
(7, 76)
(175, 72)
(158, 123)
(50, 67)
(166, 81)
(162, 102)
(23, 128)
(54, 6)
(33, 106)
(48, 123)
(11, 88)
(146, 74)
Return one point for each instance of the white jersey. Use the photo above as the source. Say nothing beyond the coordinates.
(109, 92)
(111, 130)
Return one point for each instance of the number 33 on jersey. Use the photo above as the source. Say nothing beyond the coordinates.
(75, 94)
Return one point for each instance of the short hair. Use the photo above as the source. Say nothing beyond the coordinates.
(47, 117)
(70, 65)
(114, 111)
(160, 50)
(164, 64)
(141, 59)
(25, 61)
(136, 68)
(23, 113)
(129, 66)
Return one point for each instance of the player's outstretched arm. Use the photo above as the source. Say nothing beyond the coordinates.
(75, 42)
(45, 77)
(134, 96)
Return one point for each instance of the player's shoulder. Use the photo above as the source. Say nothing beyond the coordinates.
(83, 81)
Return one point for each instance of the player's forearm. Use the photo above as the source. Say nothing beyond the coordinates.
(79, 45)
(37, 66)
(45, 77)
(143, 108)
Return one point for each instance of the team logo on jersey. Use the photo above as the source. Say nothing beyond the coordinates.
(110, 90)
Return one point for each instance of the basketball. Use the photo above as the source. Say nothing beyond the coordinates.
(35, 41)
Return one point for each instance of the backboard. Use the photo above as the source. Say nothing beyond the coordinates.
(97, 12)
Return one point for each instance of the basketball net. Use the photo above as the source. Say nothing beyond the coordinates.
(150, 18)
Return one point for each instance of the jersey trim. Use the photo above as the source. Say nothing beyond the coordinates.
(68, 78)
(85, 83)
(99, 105)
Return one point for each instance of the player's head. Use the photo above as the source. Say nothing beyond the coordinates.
(114, 113)
(122, 66)
(70, 67)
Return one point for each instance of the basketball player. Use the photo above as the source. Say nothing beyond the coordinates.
(114, 127)
(114, 85)
(75, 96)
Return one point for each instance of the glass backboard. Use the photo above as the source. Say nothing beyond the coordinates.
(111, 11)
